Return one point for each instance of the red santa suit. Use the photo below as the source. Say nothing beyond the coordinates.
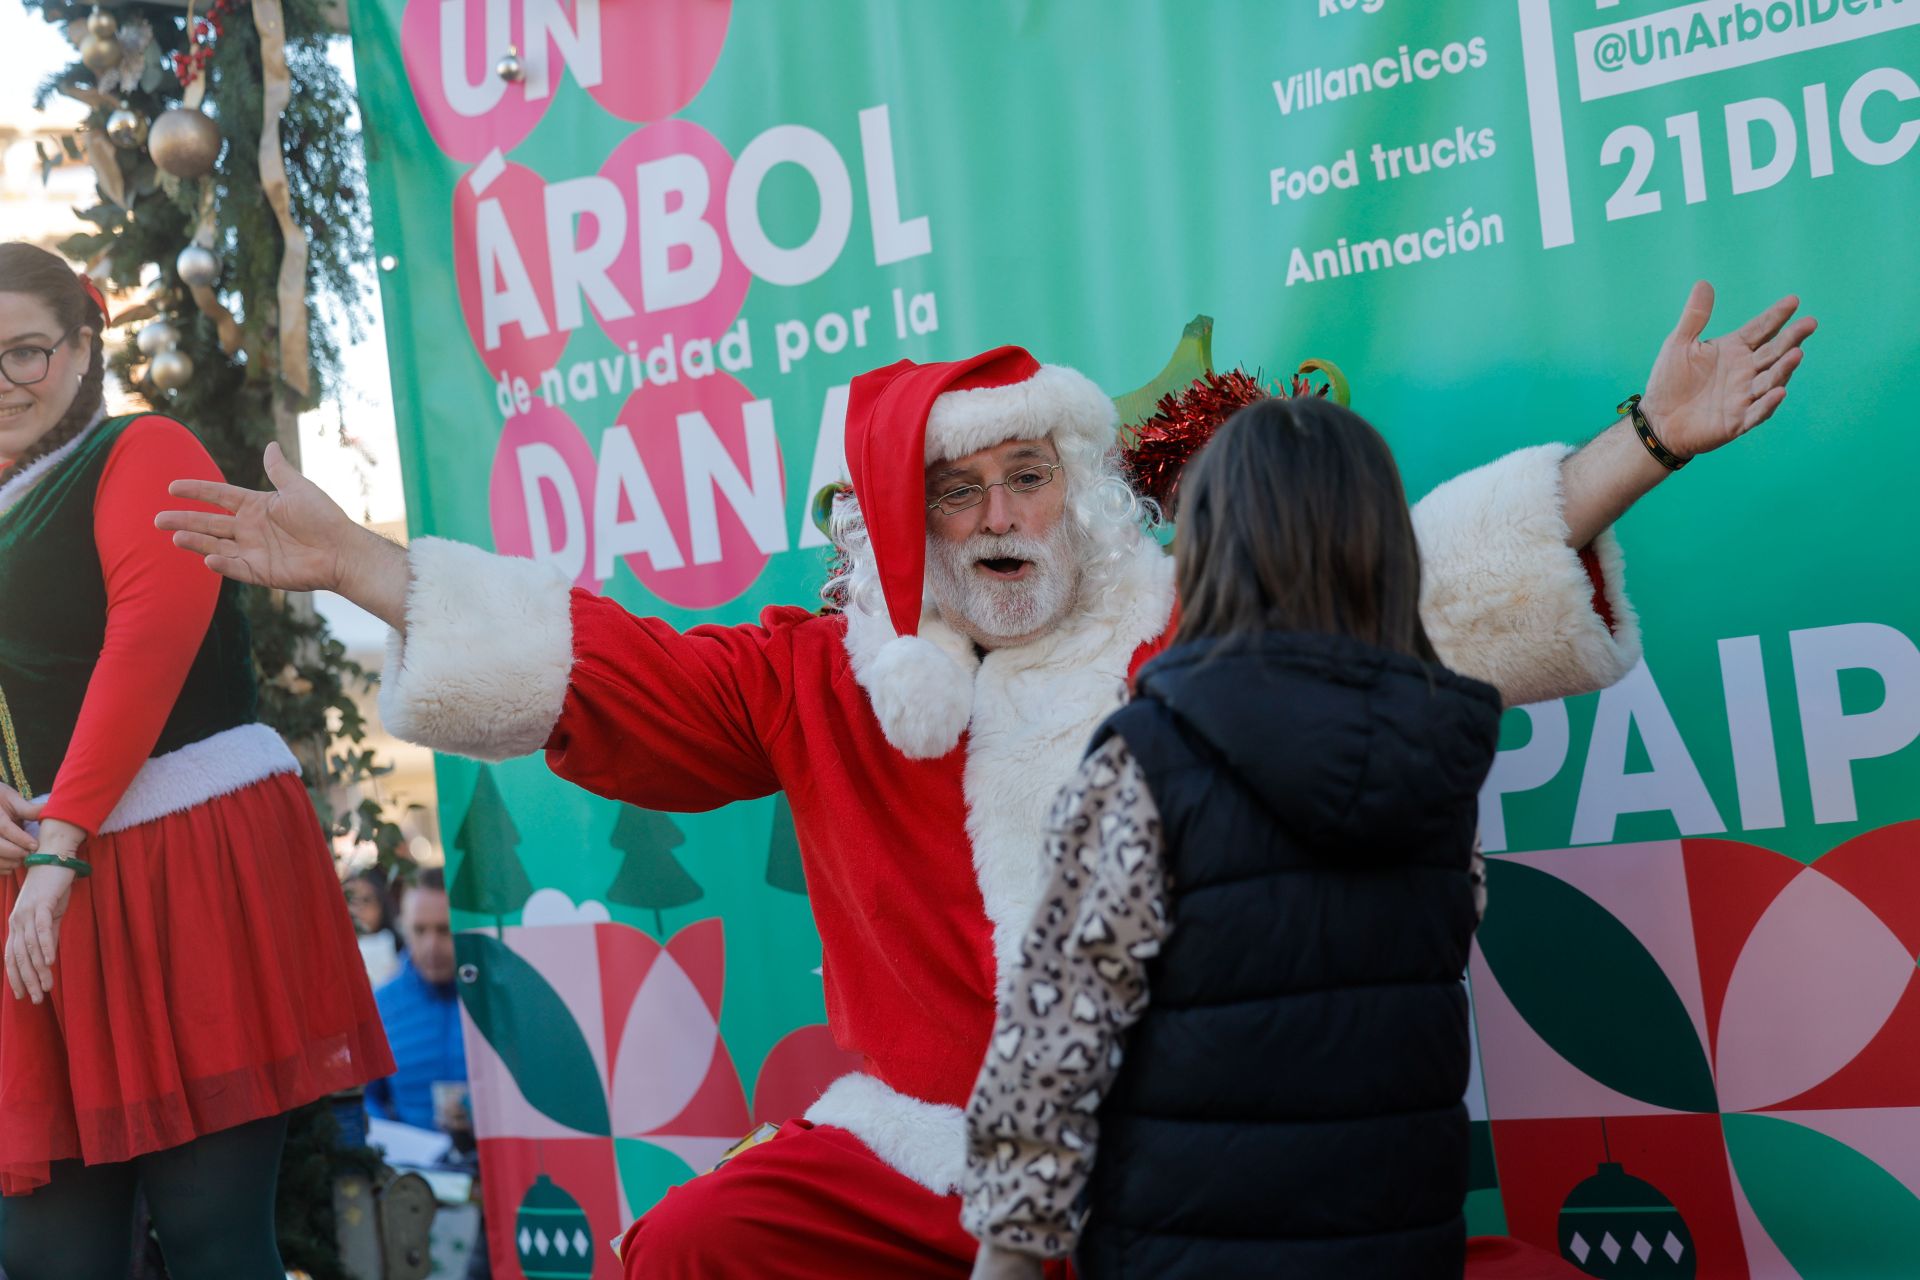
(919, 770)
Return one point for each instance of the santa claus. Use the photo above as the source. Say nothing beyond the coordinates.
(996, 588)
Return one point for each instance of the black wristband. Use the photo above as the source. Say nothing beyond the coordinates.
(1644, 429)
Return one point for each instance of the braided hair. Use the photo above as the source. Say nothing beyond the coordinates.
(29, 269)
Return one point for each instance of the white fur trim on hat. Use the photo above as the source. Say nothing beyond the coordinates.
(926, 1141)
(923, 698)
(1505, 599)
(1053, 402)
(920, 687)
(482, 667)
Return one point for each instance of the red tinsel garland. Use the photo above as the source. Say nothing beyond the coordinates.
(1154, 453)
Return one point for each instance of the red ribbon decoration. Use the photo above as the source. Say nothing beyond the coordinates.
(93, 291)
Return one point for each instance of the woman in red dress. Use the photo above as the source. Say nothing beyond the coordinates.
(181, 969)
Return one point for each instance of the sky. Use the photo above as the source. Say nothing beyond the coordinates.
(34, 48)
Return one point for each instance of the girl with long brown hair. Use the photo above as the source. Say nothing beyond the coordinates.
(180, 967)
(1275, 842)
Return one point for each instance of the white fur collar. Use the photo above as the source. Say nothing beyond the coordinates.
(16, 486)
(1029, 712)
(1034, 710)
(927, 690)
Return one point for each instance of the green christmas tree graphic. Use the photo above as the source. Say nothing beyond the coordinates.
(491, 881)
(650, 877)
(783, 850)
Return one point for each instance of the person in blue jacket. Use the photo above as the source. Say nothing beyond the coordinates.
(421, 1012)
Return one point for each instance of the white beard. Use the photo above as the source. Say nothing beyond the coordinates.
(993, 611)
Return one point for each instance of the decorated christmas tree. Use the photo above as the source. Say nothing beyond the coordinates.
(491, 881)
(231, 203)
(650, 877)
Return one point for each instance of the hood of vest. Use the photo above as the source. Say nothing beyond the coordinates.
(1345, 744)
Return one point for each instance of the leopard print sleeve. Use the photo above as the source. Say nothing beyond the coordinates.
(1080, 982)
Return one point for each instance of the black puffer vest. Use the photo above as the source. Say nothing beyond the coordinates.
(1290, 1104)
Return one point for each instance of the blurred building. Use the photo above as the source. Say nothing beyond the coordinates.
(32, 208)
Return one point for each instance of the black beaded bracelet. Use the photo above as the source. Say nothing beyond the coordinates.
(1644, 429)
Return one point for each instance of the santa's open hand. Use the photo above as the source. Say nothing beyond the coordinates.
(295, 538)
(1701, 394)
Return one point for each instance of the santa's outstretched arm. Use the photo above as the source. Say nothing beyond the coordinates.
(495, 656)
(1700, 395)
(1522, 578)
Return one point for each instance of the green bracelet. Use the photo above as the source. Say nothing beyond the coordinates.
(75, 865)
(1644, 429)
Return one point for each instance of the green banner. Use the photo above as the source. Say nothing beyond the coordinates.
(632, 253)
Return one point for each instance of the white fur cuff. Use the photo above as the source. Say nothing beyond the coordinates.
(482, 667)
(926, 1141)
(1503, 596)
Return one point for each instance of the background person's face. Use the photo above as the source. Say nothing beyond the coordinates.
(363, 904)
(428, 926)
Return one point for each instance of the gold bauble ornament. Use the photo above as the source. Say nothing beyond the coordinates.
(197, 266)
(102, 23)
(100, 53)
(184, 142)
(127, 128)
(156, 337)
(171, 370)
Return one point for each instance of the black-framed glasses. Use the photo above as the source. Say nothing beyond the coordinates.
(24, 366)
(1025, 480)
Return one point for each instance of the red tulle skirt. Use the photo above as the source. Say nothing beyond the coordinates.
(207, 975)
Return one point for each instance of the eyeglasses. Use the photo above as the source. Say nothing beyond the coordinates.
(1025, 480)
(24, 366)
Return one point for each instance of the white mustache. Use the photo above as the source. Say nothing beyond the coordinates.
(1007, 546)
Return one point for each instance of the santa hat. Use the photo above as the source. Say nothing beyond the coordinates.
(900, 419)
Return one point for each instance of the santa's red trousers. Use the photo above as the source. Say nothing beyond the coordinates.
(813, 1203)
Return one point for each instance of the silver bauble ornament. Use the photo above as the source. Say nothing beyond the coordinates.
(157, 337)
(127, 129)
(197, 266)
(102, 23)
(100, 53)
(184, 142)
(171, 370)
(510, 67)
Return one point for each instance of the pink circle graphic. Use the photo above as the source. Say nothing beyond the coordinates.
(499, 215)
(542, 486)
(652, 415)
(671, 150)
(668, 48)
(451, 52)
